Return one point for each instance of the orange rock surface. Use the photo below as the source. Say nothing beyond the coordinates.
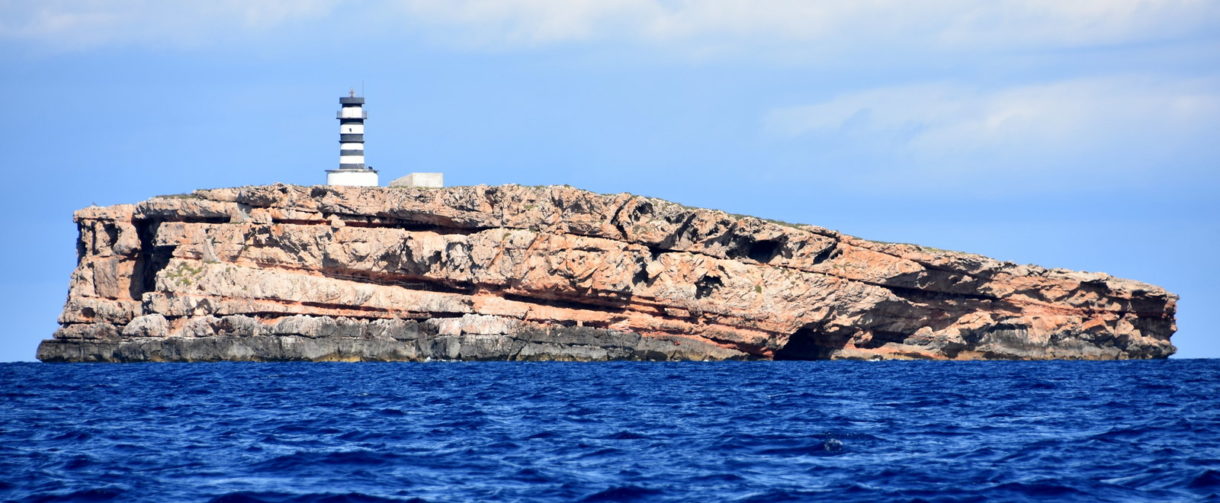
(345, 273)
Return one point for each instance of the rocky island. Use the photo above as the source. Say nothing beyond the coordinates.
(510, 272)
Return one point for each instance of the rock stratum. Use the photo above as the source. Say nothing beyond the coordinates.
(555, 273)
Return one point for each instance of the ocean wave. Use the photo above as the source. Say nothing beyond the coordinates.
(732, 431)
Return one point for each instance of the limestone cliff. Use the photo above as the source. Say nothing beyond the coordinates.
(555, 273)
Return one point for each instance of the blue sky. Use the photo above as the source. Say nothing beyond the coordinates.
(1066, 134)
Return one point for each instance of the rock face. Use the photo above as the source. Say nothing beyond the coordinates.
(555, 273)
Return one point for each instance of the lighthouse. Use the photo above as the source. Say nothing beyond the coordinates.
(352, 170)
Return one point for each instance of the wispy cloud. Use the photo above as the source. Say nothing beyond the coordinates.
(939, 115)
(92, 23)
(792, 26)
(1098, 126)
(813, 26)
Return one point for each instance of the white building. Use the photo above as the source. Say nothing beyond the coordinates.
(430, 180)
(352, 170)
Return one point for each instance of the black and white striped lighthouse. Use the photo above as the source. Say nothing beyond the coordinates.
(352, 170)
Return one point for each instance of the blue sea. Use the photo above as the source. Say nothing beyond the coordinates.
(624, 431)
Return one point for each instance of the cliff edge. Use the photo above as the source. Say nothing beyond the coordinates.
(555, 273)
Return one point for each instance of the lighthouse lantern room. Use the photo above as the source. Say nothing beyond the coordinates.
(352, 170)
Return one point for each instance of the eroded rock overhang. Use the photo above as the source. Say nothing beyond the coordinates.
(511, 272)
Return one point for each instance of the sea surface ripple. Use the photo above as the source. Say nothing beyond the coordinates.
(497, 431)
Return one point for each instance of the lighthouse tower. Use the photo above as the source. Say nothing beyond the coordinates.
(352, 170)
